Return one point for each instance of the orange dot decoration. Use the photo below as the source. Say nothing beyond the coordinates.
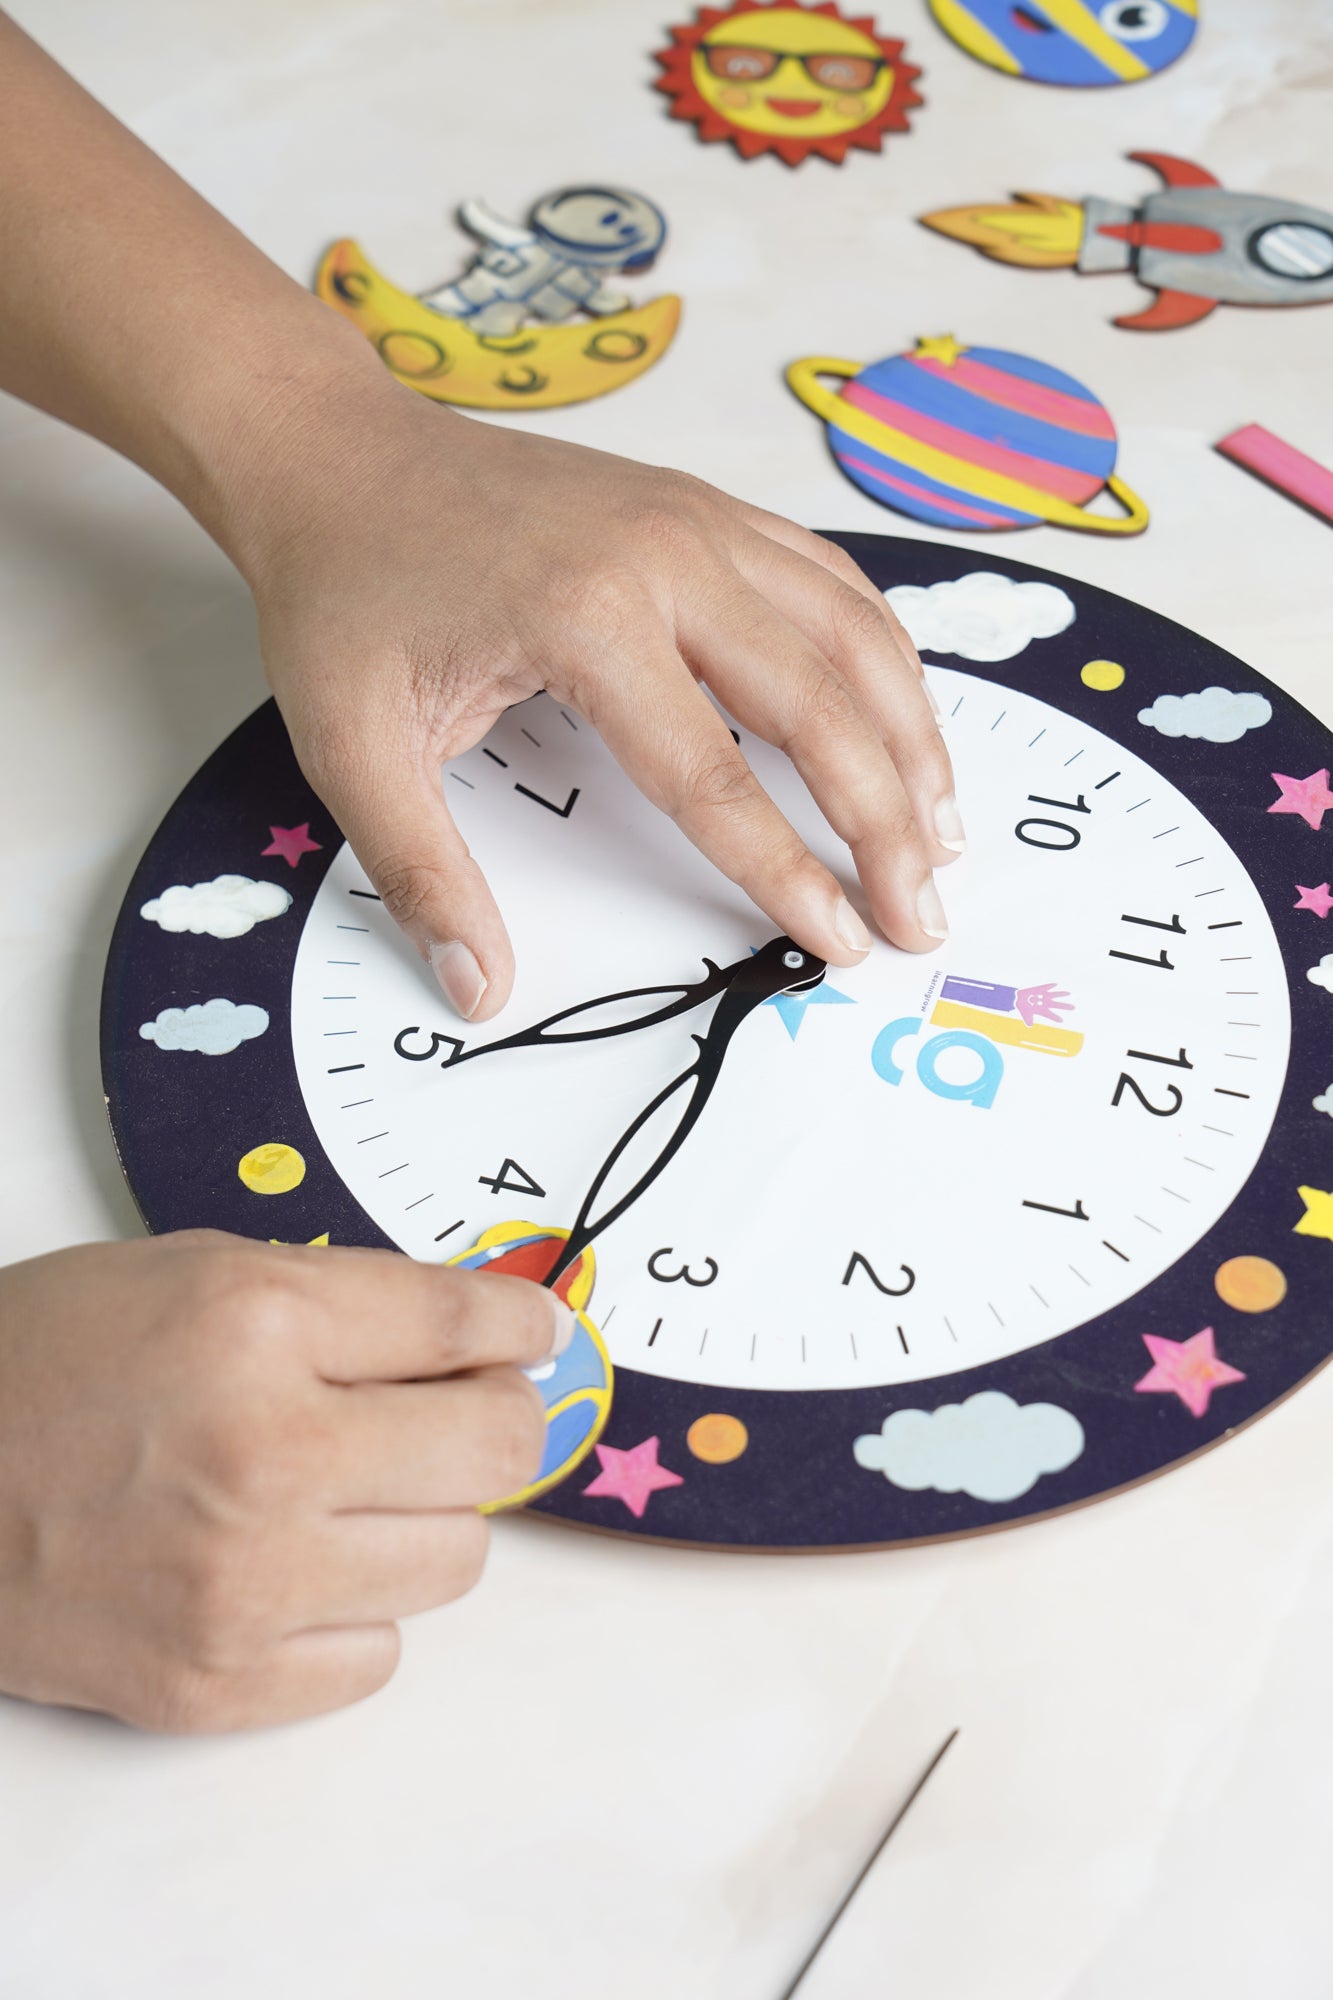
(717, 1439)
(1250, 1284)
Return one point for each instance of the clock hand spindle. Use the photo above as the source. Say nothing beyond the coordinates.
(779, 967)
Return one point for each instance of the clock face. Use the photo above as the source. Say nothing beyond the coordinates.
(901, 1125)
(911, 1249)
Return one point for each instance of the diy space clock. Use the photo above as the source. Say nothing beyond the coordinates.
(912, 1250)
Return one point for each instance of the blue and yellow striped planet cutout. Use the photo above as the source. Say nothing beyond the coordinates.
(971, 437)
(1073, 42)
(577, 1388)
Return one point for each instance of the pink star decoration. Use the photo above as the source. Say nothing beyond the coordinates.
(291, 842)
(1310, 797)
(1319, 900)
(1189, 1369)
(632, 1476)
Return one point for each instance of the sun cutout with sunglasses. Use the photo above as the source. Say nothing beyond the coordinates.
(788, 79)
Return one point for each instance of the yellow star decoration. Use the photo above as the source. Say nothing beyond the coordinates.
(315, 1243)
(943, 347)
(1318, 1217)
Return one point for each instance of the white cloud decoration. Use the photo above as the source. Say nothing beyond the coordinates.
(989, 1447)
(227, 907)
(210, 1028)
(982, 616)
(1322, 974)
(1216, 714)
(1324, 1102)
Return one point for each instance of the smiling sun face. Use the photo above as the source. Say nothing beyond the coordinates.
(788, 79)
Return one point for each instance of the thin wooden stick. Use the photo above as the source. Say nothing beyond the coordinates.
(871, 1859)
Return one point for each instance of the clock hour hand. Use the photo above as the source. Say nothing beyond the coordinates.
(564, 1027)
(780, 967)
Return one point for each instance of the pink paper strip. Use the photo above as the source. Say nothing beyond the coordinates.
(1300, 478)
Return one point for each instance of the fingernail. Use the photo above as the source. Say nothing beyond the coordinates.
(949, 825)
(461, 978)
(563, 1331)
(930, 910)
(851, 931)
(930, 697)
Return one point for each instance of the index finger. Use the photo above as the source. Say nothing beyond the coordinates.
(818, 548)
(380, 1316)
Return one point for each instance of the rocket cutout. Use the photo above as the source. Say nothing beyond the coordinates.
(1194, 243)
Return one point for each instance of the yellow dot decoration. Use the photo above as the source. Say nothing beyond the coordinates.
(1250, 1284)
(717, 1439)
(1102, 675)
(272, 1169)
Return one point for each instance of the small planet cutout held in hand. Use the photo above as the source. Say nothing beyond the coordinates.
(1250, 1284)
(717, 1439)
(271, 1169)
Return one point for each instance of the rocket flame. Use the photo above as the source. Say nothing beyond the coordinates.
(1039, 230)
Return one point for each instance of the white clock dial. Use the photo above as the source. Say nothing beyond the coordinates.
(921, 1165)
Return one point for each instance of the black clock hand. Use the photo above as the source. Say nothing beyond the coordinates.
(718, 979)
(780, 967)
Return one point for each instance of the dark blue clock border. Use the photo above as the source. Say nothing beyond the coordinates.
(181, 1125)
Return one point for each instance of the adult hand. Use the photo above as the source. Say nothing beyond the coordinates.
(417, 571)
(227, 1469)
(451, 568)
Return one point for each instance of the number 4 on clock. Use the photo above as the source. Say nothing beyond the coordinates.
(512, 1179)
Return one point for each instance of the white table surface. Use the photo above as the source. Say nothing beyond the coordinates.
(622, 1768)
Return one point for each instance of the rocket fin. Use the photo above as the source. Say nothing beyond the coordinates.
(1176, 172)
(1168, 309)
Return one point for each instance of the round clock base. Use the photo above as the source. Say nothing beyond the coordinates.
(917, 1250)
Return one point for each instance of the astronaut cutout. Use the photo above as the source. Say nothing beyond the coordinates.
(558, 266)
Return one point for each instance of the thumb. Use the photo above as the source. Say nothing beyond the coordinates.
(403, 834)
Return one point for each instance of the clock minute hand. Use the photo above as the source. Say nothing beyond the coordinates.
(552, 1033)
(779, 967)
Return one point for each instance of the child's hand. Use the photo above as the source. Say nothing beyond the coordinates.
(417, 572)
(227, 1469)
